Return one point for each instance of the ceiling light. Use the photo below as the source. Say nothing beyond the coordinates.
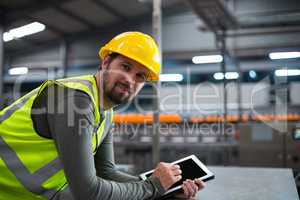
(284, 55)
(231, 75)
(22, 31)
(287, 72)
(207, 59)
(219, 76)
(170, 77)
(228, 75)
(18, 71)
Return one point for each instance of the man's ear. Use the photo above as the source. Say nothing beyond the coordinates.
(105, 63)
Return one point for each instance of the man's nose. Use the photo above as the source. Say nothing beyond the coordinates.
(130, 77)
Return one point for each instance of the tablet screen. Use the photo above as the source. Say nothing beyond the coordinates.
(190, 170)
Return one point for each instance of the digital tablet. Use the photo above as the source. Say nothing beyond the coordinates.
(191, 167)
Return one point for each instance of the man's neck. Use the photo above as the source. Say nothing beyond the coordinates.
(104, 102)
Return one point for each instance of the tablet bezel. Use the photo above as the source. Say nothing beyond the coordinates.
(209, 175)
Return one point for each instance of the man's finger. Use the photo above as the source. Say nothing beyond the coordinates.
(185, 190)
(175, 167)
(188, 191)
(177, 178)
(193, 186)
(191, 189)
(177, 172)
(200, 184)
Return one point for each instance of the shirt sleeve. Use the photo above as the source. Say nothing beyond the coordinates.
(105, 162)
(71, 127)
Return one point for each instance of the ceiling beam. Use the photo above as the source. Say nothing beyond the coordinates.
(74, 16)
(241, 52)
(30, 8)
(113, 28)
(26, 13)
(31, 44)
(55, 30)
(110, 9)
(216, 16)
(270, 25)
(269, 13)
(263, 31)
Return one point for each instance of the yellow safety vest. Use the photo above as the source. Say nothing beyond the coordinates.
(29, 164)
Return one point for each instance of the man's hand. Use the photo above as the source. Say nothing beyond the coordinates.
(167, 174)
(190, 189)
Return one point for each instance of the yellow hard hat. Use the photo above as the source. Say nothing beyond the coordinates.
(136, 46)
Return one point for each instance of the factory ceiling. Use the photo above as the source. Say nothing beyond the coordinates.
(74, 19)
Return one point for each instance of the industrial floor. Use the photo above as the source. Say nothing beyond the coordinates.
(241, 183)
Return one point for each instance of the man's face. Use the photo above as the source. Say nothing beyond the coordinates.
(123, 78)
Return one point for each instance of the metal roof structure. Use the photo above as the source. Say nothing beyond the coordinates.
(70, 19)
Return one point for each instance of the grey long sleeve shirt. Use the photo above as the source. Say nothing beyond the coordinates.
(89, 176)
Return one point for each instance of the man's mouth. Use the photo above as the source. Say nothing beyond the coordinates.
(124, 88)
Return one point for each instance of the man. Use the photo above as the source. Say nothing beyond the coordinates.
(54, 141)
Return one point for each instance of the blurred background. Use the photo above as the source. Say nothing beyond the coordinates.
(230, 80)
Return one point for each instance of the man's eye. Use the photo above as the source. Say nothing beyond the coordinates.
(126, 67)
(141, 77)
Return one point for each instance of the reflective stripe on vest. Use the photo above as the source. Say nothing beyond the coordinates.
(105, 130)
(84, 82)
(33, 181)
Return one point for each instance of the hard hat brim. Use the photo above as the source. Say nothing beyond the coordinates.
(151, 77)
